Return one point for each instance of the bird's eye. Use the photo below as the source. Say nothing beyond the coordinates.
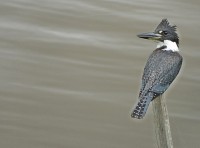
(165, 32)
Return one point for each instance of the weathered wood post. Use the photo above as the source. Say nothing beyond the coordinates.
(162, 125)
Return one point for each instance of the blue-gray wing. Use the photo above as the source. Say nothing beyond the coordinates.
(161, 69)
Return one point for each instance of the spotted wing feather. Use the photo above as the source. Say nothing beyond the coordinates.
(161, 69)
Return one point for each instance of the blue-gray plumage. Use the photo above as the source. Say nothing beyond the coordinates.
(161, 68)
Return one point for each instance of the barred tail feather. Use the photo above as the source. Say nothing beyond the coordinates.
(142, 106)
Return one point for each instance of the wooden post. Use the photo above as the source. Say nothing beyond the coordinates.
(162, 125)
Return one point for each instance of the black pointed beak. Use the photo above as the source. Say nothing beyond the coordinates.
(150, 36)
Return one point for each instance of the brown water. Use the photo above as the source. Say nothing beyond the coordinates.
(71, 70)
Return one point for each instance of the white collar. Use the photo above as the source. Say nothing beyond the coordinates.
(170, 46)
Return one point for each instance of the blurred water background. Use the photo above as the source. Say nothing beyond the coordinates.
(70, 73)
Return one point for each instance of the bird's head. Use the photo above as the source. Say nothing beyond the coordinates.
(163, 32)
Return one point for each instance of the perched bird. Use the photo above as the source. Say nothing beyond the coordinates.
(161, 68)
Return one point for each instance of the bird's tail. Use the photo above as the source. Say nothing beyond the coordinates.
(142, 106)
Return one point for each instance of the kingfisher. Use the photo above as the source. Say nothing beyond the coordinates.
(162, 67)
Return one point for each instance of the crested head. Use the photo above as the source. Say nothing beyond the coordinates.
(167, 32)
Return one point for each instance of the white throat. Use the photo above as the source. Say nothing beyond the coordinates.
(170, 46)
